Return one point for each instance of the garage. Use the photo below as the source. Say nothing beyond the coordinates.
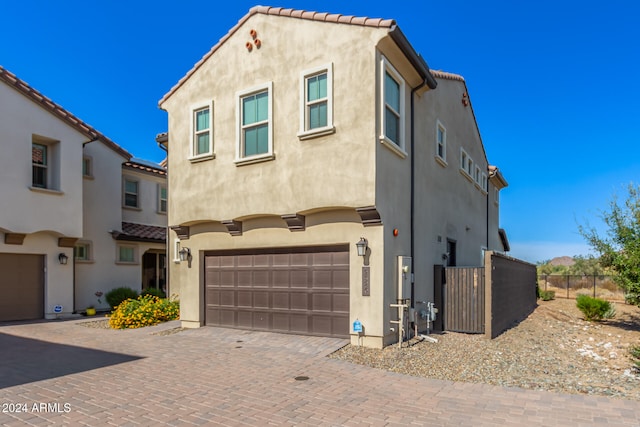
(21, 287)
(291, 290)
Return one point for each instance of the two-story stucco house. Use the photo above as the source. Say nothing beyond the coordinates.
(302, 139)
(67, 227)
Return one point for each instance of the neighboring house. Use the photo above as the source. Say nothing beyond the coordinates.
(61, 182)
(331, 131)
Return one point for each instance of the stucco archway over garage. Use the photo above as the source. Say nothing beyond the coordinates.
(21, 287)
(303, 290)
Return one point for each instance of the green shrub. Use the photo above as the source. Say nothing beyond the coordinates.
(594, 308)
(547, 295)
(146, 310)
(115, 296)
(153, 291)
(635, 355)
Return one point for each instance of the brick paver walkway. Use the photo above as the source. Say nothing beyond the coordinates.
(56, 373)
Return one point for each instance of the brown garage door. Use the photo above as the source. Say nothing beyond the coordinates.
(292, 290)
(21, 287)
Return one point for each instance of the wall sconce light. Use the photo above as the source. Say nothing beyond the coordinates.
(185, 254)
(63, 258)
(362, 246)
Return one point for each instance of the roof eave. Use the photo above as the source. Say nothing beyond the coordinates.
(416, 60)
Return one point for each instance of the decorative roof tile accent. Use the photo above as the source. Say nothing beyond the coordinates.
(141, 233)
(292, 13)
(439, 74)
(21, 86)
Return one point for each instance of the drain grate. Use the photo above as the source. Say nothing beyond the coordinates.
(301, 378)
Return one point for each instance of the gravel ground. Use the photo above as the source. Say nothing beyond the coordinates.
(553, 349)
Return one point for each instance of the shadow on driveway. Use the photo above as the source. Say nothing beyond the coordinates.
(24, 360)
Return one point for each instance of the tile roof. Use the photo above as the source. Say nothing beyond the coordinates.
(160, 170)
(21, 86)
(141, 233)
(293, 13)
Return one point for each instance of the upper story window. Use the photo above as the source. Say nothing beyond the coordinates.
(477, 175)
(441, 143)
(40, 165)
(485, 182)
(392, 108)
(162, 198)
(131, 193)
(87, 167)
(254, 125)
(202, 133)
(316, 117)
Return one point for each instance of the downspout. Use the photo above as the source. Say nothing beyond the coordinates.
(413, 185)
(167, 264)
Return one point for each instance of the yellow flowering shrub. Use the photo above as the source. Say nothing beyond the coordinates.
(146, 310)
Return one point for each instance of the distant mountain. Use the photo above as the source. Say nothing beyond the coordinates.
(562, 260)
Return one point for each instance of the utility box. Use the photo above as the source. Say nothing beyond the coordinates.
(404, 277)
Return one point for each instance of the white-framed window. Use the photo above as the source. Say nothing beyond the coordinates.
(126, 254)
(130, 193)
(255, 128)
(40, 165)
(316, 95)
(45, 164)
(392, 107)
(469, 168)
(496, 195)
(463, 160)
(441, 143)
(82, 251)
(87, 166)
(202, 133)
(162, 198)
(477, 175)
(485, 182)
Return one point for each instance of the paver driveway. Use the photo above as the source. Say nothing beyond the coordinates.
(62, 373)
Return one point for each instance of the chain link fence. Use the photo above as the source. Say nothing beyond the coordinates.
(570, 286)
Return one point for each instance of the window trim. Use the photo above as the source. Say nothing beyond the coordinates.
(303, 131)
(87, 167)
(441, 159)
(176, 251)
(135, 254)
(89, 252)
(399, 147)
(477, 175)
(160, 199)
(485, 183)
(197, 157)
(269, 155)
(124, 192)
(464, 164)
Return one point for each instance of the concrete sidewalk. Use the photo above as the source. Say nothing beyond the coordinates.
(63, 373)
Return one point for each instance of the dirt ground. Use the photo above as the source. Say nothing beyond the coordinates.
(553, 349)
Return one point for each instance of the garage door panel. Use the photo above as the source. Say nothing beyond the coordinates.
(304, 290)
(280, 278)
(245, 299)
(299, 301)
(280, 301)
(212, 296)
(227, 298)
(261, 299)
(340, 303)
(300, 279)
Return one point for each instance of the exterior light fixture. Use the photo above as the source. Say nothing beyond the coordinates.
(362, 246)
(185, 254)
(63, 258)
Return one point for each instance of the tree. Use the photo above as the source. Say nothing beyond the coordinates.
(586, 266)
(620, 248)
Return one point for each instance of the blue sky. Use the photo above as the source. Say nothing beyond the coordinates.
(554, 85)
